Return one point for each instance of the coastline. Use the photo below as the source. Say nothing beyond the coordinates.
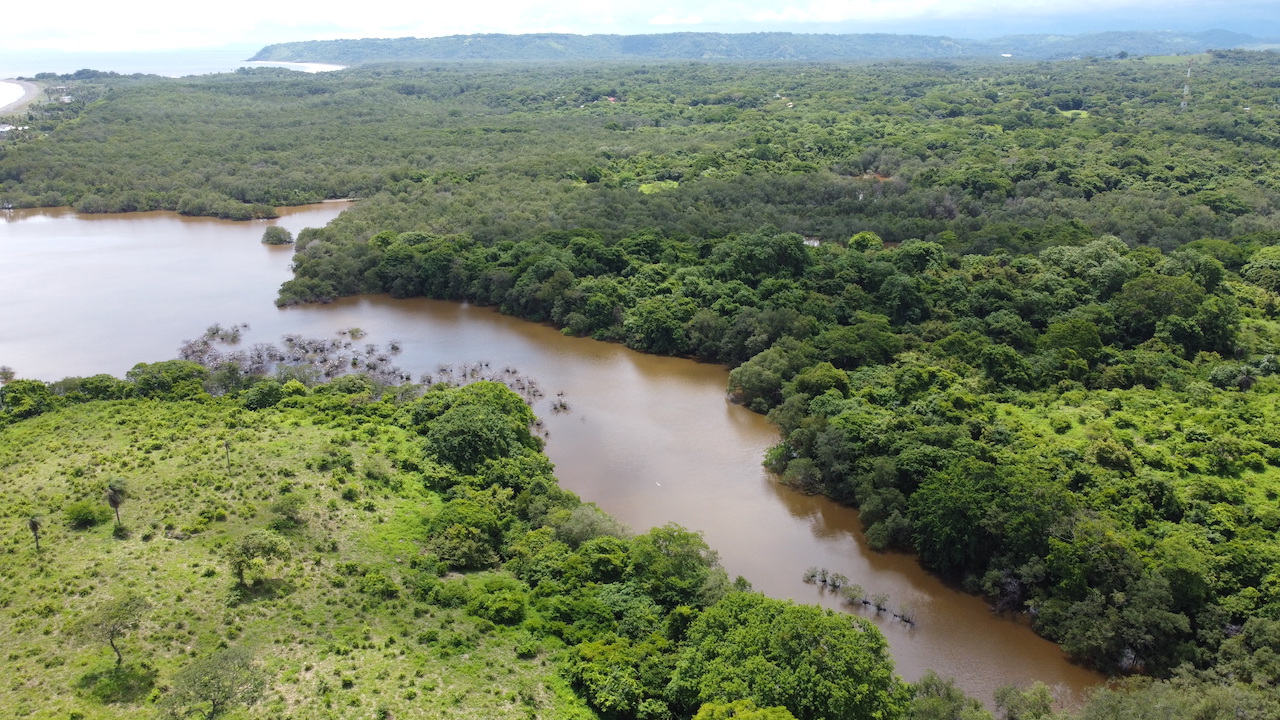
(30, 92)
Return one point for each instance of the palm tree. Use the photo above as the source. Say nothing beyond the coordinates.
(34, 524)
(1247, 377)
(116, 494)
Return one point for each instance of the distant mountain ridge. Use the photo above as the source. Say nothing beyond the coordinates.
(749, 46)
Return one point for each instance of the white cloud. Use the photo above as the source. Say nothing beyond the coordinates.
(668, 19)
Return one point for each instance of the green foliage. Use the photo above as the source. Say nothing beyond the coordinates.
(937, 698)
(676, 567)
(813, 662)
(741, 710)
(468, 531)
(214, 684)
(25, 398)
(264, 394)
(363, 587)
(276, 235)
(1002, 358)
(114, 619)
(483, 421)
(169, 380)
(253, 550)
(289, 511)
(499, 599)
(1263, 268)
(84, 514)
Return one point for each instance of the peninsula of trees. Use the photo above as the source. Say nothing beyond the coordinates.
(749, 46)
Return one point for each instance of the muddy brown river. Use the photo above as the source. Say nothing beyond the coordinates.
(650, 439)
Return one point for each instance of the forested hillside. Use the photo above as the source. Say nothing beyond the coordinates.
(748, 46)
(1024, 316)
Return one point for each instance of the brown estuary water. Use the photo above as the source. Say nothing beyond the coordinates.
(650, 439)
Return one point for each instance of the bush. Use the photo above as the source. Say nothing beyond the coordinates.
(452, 594)
(378, 585)
(262, 395)
(84, 514)
(289, 512)
(276, 235)
(500, 600)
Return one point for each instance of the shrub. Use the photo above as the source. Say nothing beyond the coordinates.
(378, 585)
(451, 594)
(84, 514)
(264, 394)
(276, 235)
(289, 512)
(500, 600)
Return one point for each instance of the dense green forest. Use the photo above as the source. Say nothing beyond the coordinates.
(970, 155)
(749, 46)
(1070, 424)
(358, 549)
(1023, 316)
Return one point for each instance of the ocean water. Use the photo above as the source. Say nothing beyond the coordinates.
(170, 63)
(9, 92)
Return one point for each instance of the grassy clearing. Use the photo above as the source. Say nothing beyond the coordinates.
(1199, 59)
(658, 186)
(201, 475)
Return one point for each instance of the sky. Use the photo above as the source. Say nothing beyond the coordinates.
(144, 25)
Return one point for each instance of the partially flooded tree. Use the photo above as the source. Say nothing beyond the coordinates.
(115, 619)
(276, 235)
(216, 683)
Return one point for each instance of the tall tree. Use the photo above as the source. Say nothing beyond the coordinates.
(814, 662)
(34, 525)
(216, 683)
(114, 619)
(117, 491)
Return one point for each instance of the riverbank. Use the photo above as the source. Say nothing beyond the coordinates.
(650, 438)
(15, 95)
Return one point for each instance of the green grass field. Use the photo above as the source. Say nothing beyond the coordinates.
(201, 475)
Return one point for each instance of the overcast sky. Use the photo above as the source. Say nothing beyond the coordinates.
(132, 25)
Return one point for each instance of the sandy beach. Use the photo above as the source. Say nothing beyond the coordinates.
(16, 94)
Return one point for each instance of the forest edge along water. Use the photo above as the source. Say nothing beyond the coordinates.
(650, 439)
